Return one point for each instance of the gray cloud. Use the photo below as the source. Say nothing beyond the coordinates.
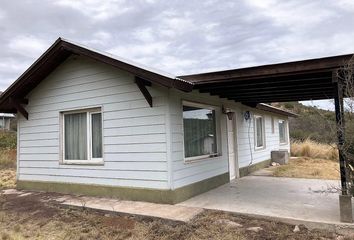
(177, 36)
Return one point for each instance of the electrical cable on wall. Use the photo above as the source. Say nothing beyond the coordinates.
(248, 118)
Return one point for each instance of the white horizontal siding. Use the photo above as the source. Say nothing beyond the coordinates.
(136, 148)
(136, 139)
(97, 173)
(108, 157)
(109, 107)
(114, 165)
(95, 181)
(247, 154)
(135, 130)
(36, 143)
(185, 173)
(135, 121)
(88, 102)
(79, 94)
(191, 172)
(134, 134)
(38, 157)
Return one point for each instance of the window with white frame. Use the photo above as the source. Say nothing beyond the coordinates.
(283, 139)
(82, 136)
(259, 132)
(199, 128)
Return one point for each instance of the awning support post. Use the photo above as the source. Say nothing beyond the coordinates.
(345, 203)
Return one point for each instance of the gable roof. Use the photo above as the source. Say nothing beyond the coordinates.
(61, 50)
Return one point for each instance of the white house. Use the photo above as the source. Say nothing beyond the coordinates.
(92, 123)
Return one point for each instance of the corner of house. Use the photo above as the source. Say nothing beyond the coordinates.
(169, 142)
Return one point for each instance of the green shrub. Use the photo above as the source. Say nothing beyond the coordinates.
(289, 105)
(7, 140)
(7, 159)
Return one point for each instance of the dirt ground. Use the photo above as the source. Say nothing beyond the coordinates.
(304, 167)
(35, 217)
(7, 178)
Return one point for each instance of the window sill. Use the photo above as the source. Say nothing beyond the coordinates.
(259, 148)
(284, 143)
(82, 162)
(201, 158)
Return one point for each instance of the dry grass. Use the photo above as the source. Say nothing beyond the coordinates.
(29, 217)
(316, 160)
(8, 158)
(7, 178)
(309, 168)
(7, 168)
(312, 149)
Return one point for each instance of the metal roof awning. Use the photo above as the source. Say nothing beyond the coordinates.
(284, 82)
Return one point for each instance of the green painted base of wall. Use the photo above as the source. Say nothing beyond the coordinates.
(254, 167)
(186, 192)
(126, 193)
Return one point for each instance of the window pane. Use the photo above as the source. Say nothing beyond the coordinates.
(282, 133)
(199, 131)
(75, 136)
(96, 122)
(259, 131)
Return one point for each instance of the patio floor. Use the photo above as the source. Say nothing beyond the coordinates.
(308, 200)
(164, 211)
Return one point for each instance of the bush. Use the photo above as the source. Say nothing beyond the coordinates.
(8, 158)
(312, 149)
(7, 150)
(7, 140)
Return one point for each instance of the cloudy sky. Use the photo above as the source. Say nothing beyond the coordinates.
(179, 37)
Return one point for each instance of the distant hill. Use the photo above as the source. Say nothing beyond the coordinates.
(314, 123)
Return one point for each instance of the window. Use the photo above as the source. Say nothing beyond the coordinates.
(282, 132)
(259, 132)
(82, 136)
(199, 126)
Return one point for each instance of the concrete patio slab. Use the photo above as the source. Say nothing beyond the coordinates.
(308, 200)
(164, 211)
(266, 172)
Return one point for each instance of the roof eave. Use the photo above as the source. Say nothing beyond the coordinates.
(269, 108)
